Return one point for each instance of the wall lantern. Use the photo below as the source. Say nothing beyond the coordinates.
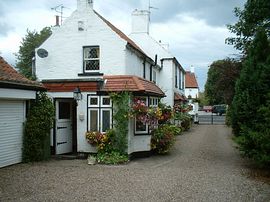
(77, 95)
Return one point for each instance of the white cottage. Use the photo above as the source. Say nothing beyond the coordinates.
(192, 87)
(89, 54)
(170, 77)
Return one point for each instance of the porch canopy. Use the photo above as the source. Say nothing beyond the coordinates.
(179, 98)
(107, 84)
(130, 83)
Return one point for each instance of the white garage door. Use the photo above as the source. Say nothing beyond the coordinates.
(12, 115)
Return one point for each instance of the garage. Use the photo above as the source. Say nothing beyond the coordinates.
(15, 93)
(11, 124)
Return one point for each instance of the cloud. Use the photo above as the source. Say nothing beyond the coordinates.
(214, 12)
(4, 26)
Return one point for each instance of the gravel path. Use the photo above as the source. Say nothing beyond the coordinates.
(203, 166)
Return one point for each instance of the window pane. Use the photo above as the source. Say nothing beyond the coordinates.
(140, 127)
(106, 101)
(91, 64)
(91, 52)
(64, 110)
(93, 101)
(106, 120)
(93, 120)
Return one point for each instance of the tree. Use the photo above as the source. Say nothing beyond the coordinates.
(26, 52)
(251, 104)
(254, 16)
(253, 84)
(222, 75)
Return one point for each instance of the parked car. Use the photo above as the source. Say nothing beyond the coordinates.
(219, 109)
(207, 108)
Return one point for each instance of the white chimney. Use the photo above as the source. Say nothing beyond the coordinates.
(140, 21)
(192, 69)
(84, 5)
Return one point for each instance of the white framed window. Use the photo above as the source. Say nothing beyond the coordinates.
(140, 127)
(154, 77)
(106, 120)
(176, 77)
(91, 58)
(153, 102)
(180, 80)
(106, 101)
(93, 119)
(93, 101)
(99, 113)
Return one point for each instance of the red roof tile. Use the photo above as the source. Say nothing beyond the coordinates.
(9, 76)
(179, 97)
(190, 80)
(118, 83)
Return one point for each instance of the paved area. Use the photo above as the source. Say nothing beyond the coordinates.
(203, 166)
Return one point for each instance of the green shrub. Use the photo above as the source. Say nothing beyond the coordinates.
(172, 129)
(36, 138)
(163, 138)
(186, 121)
(255, 145)
(112, 157)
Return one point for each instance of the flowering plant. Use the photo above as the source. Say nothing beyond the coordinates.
(163, 138)
(139, 106)
(166, 113)
(101, 140)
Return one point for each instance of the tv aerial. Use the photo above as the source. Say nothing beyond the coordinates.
(59, 9)
(151, 7)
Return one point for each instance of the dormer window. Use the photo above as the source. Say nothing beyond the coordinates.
(91, 58)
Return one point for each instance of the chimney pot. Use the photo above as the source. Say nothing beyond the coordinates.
(140, 21)
(84, 4)
(57, 20)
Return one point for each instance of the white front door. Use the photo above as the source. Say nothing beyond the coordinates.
(63, 126)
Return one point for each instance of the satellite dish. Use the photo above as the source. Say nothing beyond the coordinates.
(42, 53)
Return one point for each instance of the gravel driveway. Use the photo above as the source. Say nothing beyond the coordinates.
(203, 166)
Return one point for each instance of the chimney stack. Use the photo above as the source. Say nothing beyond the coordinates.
(85, 5)
(57, 20)
(192, 70)
(140, 21)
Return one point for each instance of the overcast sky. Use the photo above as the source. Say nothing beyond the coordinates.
(194, 29)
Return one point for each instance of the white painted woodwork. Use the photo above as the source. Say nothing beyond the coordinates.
(12, 117)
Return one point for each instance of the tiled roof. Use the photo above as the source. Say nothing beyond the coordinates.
(121, 34)
(190, 80)
(179, 97)
(131, 83)
(9, 76)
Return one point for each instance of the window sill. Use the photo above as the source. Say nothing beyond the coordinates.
(91, 74)
(141, 134)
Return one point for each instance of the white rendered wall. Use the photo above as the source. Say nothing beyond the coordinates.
(166, 82)
(65, 48)
(165, 76)
(193, 92)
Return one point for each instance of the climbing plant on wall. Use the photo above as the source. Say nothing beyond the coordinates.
(36, 139)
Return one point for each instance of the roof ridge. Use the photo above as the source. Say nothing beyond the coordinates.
(121, 34)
